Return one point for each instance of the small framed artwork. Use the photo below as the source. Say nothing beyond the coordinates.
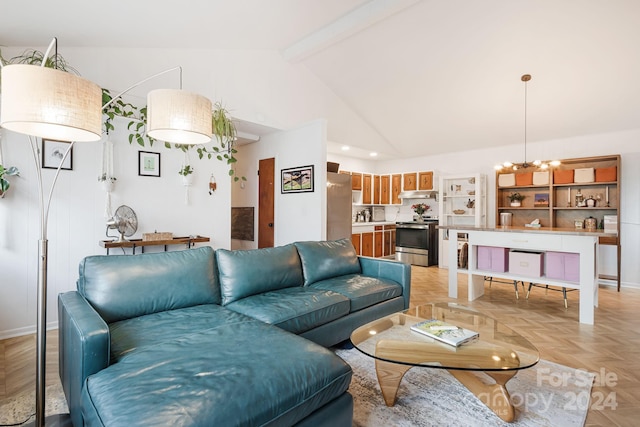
(297, 180)
(53, 153)
(148, 163)
(541, 200)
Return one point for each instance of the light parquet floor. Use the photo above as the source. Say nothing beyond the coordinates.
(611, 347)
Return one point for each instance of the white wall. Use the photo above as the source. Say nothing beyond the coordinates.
(626, 143)
(298, 216)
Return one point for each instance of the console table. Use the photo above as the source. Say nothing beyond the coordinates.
(584, 243)
(139, 243)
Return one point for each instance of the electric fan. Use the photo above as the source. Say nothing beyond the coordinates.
(125, 221)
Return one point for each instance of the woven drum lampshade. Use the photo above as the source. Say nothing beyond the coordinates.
(179, 117)
(50, 103)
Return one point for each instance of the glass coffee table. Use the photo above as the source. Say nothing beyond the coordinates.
(499, 352)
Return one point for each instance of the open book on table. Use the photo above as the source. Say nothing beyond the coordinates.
(445, 332)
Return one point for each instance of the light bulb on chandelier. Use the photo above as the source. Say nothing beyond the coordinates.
(536, 163)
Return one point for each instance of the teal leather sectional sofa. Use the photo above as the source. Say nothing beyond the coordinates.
(224, 338)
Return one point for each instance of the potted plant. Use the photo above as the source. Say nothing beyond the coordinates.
(515, 199)
(4, 182)
(186, 173)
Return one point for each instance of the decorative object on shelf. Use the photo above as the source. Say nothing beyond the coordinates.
(471, 204)
(536, 163)
(459, 211)
(157, 235)
(472, 192)
(516, 199)
(580, 203)
(590, 201)
(297, 180)
(148, 163)
(590, 223)
(578, 223)
(541, 200)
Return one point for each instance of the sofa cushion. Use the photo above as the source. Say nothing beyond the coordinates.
(250, 272)
(244, 374)
(124, 286)
(322, 260)
(132, 335)
(362, 291)
(294, 309)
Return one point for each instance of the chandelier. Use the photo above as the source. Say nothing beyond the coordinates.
(536, 163)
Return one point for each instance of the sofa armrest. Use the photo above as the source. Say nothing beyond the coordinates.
(84, 346)
(397, 271)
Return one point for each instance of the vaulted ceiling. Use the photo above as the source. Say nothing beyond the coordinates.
(427, 76)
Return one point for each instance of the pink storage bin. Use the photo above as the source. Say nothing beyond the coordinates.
(563, 266)
(528, 264)
(493, 259)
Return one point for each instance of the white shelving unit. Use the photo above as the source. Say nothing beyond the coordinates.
(463, 202)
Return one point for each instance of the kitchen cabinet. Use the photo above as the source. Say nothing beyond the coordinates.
(463, 202)
(378, 237)
(396, 187)
(409, 182)
(356, 181)
(366, 189)
(554, 201)
(425, 181)
(385, 187)
(389, 240)
(376, 189)
(367, 244)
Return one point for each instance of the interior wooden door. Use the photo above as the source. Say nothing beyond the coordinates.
(266, 178)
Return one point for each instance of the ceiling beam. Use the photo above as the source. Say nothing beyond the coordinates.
(357, 20)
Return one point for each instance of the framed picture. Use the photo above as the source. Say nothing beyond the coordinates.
(297, 180)
(148, 163)
(53, 152)
(541, 200)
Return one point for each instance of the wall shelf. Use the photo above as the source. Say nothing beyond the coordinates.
(558, 214)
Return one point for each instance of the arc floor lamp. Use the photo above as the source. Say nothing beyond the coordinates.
(53, 104)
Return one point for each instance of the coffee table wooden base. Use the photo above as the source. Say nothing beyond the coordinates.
(495, 396)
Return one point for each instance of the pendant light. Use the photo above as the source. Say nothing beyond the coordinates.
(525, 164)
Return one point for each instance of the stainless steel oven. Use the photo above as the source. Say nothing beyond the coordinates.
(417, 242)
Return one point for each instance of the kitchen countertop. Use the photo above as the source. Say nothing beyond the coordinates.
(372, 223)
(542, 230)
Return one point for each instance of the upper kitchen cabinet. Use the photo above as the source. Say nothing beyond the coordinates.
(376, 189)
(425, 181)
(356, 181)
(396, 187)
(366, 189)
(385, 186)
(410, 182)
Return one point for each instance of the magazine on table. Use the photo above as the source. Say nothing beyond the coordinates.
(445, 332)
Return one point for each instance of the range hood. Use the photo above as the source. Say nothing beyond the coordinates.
(424, 194)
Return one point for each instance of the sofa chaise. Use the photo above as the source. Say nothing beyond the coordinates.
(224, 338)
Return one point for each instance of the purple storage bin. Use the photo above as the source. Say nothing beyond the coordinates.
(563, 266)
(493, 259)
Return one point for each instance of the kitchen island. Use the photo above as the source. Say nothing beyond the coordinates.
(540, 242)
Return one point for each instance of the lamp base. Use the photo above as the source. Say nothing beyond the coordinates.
(56, 420)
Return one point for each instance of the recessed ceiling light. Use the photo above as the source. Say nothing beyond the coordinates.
(374, 154)
(345, 148)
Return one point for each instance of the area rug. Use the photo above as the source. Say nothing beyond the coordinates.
(21, 407)
(547, 394)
